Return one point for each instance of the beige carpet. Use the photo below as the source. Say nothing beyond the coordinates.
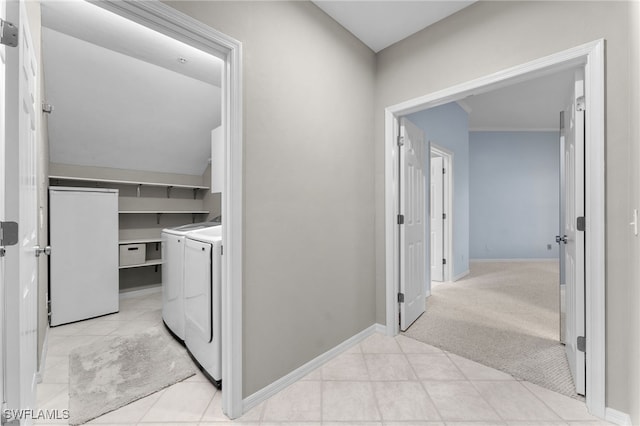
(504, 315)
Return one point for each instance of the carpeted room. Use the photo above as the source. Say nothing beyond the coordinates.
(500, 302)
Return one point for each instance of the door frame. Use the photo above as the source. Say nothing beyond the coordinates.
(447, 190)
(173, 23)
(591, 56)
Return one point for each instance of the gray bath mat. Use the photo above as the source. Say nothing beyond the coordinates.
(110, 374)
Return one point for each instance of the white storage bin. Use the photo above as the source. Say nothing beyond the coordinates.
(132, 254)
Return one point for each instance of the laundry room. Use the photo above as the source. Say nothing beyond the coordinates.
(132, 110)
(136, 162)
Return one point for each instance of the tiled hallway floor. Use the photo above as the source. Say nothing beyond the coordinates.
(382, 381)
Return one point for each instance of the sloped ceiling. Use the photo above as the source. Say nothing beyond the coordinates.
(126, 105)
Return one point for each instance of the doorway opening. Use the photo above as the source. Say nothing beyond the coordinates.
(590, 56)
(177, 26)
(441, 214)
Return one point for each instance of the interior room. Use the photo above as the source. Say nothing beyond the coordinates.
(231, 178)
(503, 306)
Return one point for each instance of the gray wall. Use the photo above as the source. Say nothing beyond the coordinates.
(308, 182)
(212, 201)
(514, 195)
(490, 36)
(633, 256)
(448, 126)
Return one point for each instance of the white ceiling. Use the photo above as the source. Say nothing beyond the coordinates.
(379, 24)
(121, 97)
(531, 105)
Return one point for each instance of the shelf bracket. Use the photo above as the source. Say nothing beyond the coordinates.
(193, 218)
(156, 268)
(158, 218)
(169, 188)
(138, 188)
(195, 193)
(157, 246)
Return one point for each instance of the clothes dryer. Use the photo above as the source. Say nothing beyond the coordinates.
(173, 242)
(202, 300)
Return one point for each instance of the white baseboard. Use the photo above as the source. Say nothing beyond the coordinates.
(268, 391)
(155, 288)
(514, 260)
(43, 356)
(617, 417)
(460, 275)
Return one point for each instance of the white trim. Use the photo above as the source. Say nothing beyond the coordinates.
(595, 224)
(464, 105)
(163, 18)
(43, 356)
(382, 329)
(515, 260)
(513, 129)
(300, 372)
(461, 275)
(617, 417)
(449, 189)
(144, 291)
(591, 56)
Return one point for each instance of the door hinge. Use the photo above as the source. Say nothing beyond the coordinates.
(8, 233)
(8, 33)
(48, 109)
(400, 219)
(400, 140)
(221, 250)
(581, 344)
(580, 104)
(561, 120)
(444, 215)
(444, 261)
(400, 297)
(444, 171)
(580, 223)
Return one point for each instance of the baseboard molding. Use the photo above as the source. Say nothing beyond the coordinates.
(43, 356)
(461, 275)
(267, 392)
(143, 291)
(617, 417)
(515, 260)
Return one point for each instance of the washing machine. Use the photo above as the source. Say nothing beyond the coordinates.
(202, 300)
(173, 242)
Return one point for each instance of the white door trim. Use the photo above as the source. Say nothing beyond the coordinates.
(448, 208)
(591, 55)
(169, 21)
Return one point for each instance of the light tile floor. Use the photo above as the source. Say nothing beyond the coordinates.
(383, 381)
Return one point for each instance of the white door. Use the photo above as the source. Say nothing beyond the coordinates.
(437, 218)
(3, 62)
(574, 248)
(413, 273)
(28, 213)
(21, 191)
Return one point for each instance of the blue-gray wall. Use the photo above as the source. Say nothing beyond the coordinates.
(513, 194)
(448, 127)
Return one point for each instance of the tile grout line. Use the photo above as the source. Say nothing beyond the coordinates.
(543, 402)
(475, 388)
(420, 382)
(370, 381)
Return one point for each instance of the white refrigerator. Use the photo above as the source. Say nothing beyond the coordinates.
(83, 235)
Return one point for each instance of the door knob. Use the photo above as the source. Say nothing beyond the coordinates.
(40, 250)
(560, 239)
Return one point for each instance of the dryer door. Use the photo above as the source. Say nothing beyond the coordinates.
(197, 292)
